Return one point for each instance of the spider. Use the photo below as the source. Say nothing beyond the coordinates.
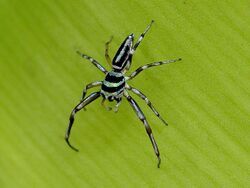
(115, 85)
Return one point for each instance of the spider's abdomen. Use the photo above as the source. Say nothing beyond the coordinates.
(113, 85)
(123, 55)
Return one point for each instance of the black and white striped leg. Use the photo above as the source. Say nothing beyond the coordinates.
(107, 51)
(108, 108)
(141, 37)
(138, 70)
(78, 107)
(91, 85)
(98, 65)
(142, 117)
(144, 97)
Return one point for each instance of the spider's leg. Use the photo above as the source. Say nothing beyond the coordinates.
(144, 97)
(78, 107)
(117, 104)
(107, 51)
(104, 105)
(138, 70)
(98, 65)
(142, 117)
(141, 37)
(91, 85)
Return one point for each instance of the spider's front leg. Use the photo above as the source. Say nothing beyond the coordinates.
(144, 97)
(91, 85)
(78, 107)
(142, 117)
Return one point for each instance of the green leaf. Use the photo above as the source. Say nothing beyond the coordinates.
(205, 98)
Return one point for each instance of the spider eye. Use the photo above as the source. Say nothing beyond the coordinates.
(110, 98)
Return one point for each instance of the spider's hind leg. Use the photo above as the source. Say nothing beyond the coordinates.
(142, 36)
(144, 67)
(107, 51)
(93, 61)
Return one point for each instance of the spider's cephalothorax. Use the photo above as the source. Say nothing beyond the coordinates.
(115, 85)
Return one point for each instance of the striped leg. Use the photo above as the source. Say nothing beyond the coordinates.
(137, 71)
(140, 94)
(142, 117)
(107, 51)
(81, 105)
(98, 65)
(91, 85)
(141, 37)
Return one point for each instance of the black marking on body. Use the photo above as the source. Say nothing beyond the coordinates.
(114, 78)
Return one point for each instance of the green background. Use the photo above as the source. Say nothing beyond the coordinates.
(205, 98)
